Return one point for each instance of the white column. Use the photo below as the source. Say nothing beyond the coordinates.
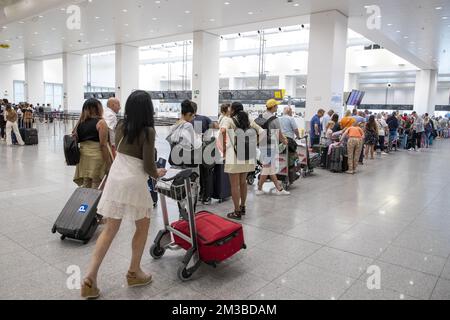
(127, 71)
(326, 62)
(205, 75)
(236, 83)
(6, 83)
(351, 82)
(289, 84)
(34, 82)
(426, 91)
(73, 82)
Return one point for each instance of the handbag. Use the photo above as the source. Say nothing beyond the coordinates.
(71, 148)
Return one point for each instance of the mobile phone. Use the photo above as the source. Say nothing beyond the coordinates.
(161, 164)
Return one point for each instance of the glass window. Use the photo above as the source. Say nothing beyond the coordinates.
(54, 94)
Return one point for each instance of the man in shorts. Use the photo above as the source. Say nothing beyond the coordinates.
(270, 148)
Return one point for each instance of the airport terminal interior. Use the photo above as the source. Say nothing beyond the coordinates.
(361, 88)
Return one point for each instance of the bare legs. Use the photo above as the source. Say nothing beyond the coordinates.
(274, 179)
(138, 246)
(104, 243)
(235, 190)
(101, 248)
(243, 189)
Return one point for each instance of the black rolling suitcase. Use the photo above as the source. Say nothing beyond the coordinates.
(222, 186)
(337, 161)
(29, 136)
(79, 219)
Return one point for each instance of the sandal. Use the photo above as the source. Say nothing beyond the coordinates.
(89, 291)
(134, 281)
(235, 215)
(243, 210)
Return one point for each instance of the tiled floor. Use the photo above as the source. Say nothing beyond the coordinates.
(316, 244)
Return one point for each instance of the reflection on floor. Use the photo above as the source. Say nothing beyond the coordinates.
(317, 244)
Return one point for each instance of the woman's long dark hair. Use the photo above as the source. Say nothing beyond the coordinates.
(372, 125)
(92, 109)
(238, 113)
(138, 115)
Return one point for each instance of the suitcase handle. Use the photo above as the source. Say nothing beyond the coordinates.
(226, 240)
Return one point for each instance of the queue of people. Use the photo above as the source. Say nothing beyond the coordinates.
(363, 133)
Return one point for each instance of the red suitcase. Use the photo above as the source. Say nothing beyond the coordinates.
(218, 239)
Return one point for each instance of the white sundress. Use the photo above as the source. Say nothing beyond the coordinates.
(126, 193)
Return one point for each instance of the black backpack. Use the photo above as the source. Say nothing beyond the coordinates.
(71, 150)
(265, 124)
(250, 142)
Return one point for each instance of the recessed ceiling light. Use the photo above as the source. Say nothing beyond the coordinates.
(126, 24)
(180, 26)
(444, 18)
(438, 8)
(102, 30)
(21, 22)
(212, 20)
(154, 19)
(5, 27)
(187, 12)
(125, 10)
(405, 37)
(97, 18)
(157, 2)
(389, 24)
(398, 31)
(226, 3)
(41, 17)
(296, 4)
(250, 13)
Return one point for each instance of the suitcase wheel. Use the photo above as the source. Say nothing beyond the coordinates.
(250, 180)
(63, 238)
(157, 252)
(183, 274)
(54, 229)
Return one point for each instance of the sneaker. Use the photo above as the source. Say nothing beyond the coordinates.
(384, 153)
(349, 172)
(282, 193)
(259, 193)
(412, 149)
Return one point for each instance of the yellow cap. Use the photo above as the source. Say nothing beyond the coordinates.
(272, 103)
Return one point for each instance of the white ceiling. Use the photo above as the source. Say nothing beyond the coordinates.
(423, 38)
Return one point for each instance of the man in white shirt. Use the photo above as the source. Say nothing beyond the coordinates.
(110, 115)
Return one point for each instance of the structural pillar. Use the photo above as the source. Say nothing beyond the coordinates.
(73, 82)
(34, 82)
(127, 71)
(426, 91)
(205, 75)
(326, 62)
(6, 83)
(289, 83)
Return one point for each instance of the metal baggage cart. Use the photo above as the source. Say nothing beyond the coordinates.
(181, 188)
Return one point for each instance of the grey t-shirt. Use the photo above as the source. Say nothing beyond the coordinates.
(274, 127)
(275, 124)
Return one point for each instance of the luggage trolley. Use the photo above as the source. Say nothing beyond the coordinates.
(308, 161)
(182, 188)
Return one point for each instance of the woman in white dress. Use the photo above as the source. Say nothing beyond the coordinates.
(126, 191)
